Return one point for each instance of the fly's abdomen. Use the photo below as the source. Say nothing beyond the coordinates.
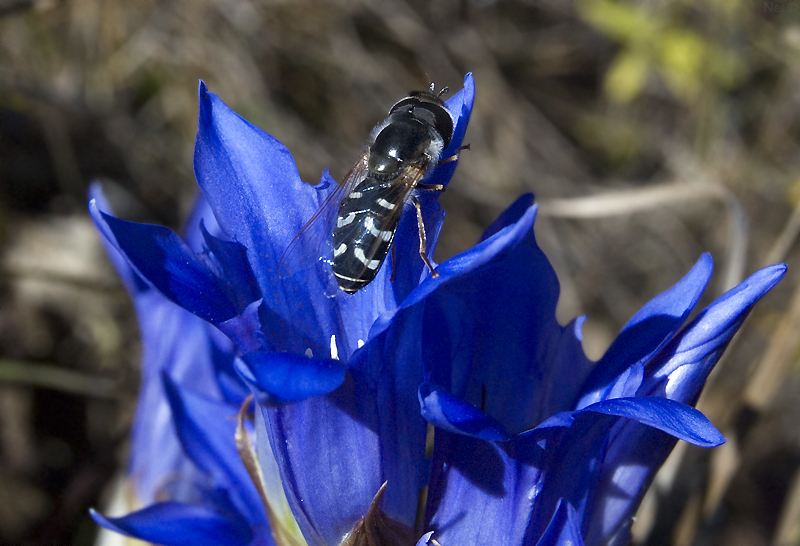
(365, 226)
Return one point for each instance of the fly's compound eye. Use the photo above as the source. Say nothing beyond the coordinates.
(438, 117)
(430, 110)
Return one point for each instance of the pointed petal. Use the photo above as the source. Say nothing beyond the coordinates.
(252, 184)
(648, 331)
(688, 360)
(160, 256)
(175, 524)
(134, 284)
(460, 107)
(496, 304)
(187, 348)
(250, 180)
(676, 419)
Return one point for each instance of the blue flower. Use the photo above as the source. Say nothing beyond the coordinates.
(555, 449)
(168, 472)
(187, 350)
(534, 444)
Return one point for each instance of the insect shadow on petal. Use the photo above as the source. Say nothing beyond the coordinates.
(354, 227)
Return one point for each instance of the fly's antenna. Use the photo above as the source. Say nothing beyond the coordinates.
(432, 85)
(442, 91)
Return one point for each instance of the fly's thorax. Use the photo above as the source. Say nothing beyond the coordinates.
(402, 141)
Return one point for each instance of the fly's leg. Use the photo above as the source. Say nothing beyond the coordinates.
(394, 265)
(434, 187)
(454, 157)
(422, 250)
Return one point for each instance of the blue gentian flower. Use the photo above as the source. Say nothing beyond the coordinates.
(187, 375)
(533, 444)
(183, 348)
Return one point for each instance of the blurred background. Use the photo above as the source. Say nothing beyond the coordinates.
(649, 131)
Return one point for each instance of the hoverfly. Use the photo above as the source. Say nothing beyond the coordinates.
(369, 203)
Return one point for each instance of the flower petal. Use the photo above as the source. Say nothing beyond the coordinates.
(676, 419)
(460, 106)
(160, 256)
(329, 458)
(648, 331)
(446, 411)
(290, 377)
(134, 284)
(232, 258)
(187, 348)
(207, 432)
(176, 524)
(251, 182)
(688, 360)
(564, 529)
(489, 333)
(632, 460)
(479, 492)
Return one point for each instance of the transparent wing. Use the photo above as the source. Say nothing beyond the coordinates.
(406, 182)
(314, 241)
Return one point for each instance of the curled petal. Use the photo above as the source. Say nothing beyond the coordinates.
(176, 524)
(449, 412)
(290, 377)
(674, 418)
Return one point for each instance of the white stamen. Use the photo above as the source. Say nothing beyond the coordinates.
(360, 343)
(334, 350)
(309, 353)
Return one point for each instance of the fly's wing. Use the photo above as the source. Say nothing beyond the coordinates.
(398, 193)
(314, 241)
